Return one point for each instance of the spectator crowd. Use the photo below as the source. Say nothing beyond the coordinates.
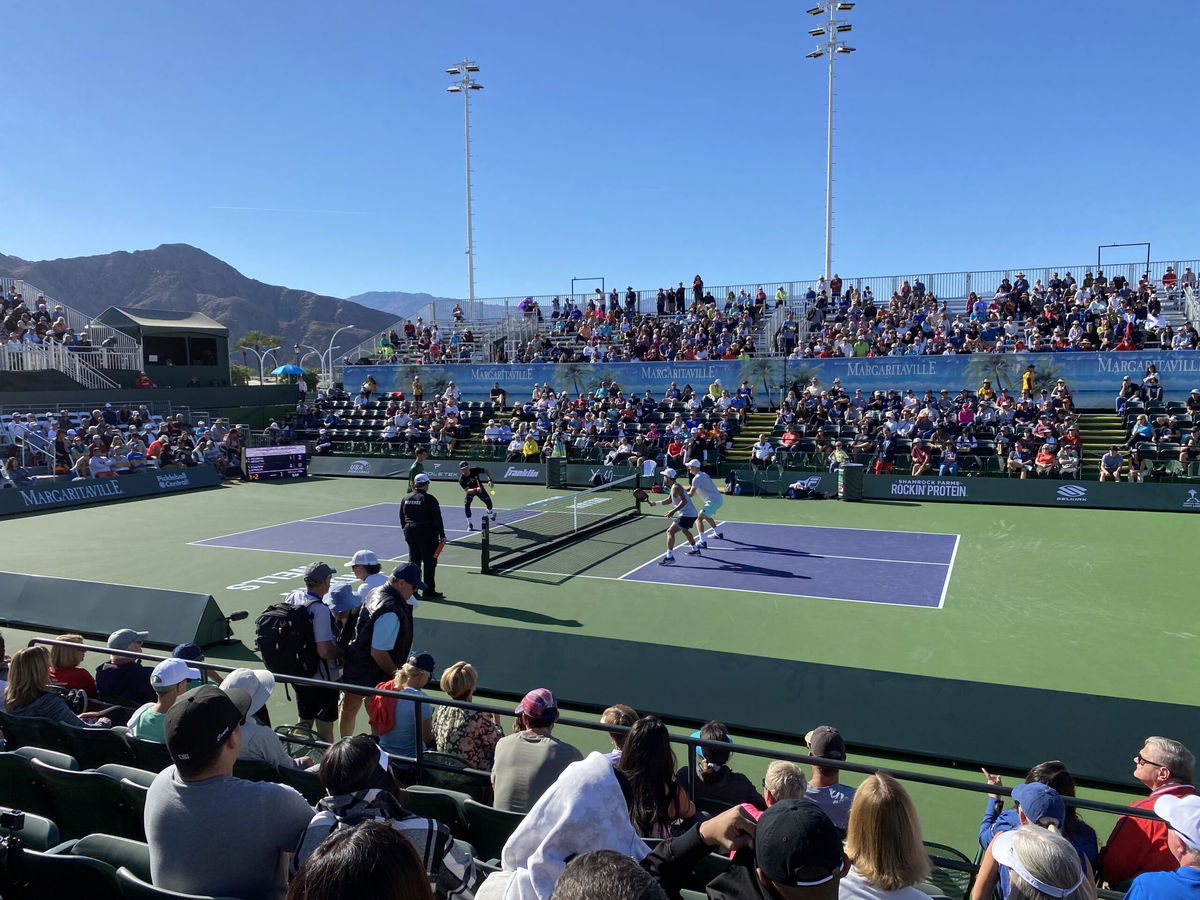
(589, 826)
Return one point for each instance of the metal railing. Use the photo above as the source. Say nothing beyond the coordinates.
(54, 356)
(123, 353)
(692, 744)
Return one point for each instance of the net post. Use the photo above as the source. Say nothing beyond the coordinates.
(485, 546)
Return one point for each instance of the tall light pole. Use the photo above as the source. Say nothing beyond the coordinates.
(329, 352)
(832, 31)
(464, 86)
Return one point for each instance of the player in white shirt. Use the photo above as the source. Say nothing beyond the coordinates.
(687, 516)
(703, 486)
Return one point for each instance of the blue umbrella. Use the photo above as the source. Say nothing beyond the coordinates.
(289, 369)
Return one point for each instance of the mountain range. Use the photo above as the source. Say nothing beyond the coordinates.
(182, 277)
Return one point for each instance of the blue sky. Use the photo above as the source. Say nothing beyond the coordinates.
(644, 142)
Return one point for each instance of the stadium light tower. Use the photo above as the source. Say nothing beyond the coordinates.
(831, 30)
(464, 86)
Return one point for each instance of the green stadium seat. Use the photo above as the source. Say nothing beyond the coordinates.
(30, 731)
(87, 803)
(489, 828)
(117, 771)
(476, 786)
(150, 755)
(39, 833)
(692, 895)
(708, 868)
(50, 757)
(63, 875)
(20, 787)
(445, 805)
(1173, 466)
(115, 851)
(135, 795)
(951, 873)
(134, 888)
(94, 747)
(307, 783)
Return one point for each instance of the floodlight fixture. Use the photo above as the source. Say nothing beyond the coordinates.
(845, 7)
(845, 49)
(816, 54)
(817, 32)
(842, 29)
(816, 11)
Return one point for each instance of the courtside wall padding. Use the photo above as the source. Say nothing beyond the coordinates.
(82, 492)
(1157, 497)
(942, 718)
(57, 605)
(436, 469)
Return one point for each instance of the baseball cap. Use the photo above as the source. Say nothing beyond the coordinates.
(342, 599)
(1039, 801)
(411, 573)
(256, 683)
(464, 465)
(1182, 814)
(796, 844)
(423, 660)
(538, 704)
(1004, 850)
(126, 638)
(172, 671)
(692, 464)
(363, 558)
(203, 718)
(190, 652)
(421, 479)
(317, 572)
(826, 742)
(669, 473)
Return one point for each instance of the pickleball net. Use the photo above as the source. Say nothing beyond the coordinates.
(533, 530)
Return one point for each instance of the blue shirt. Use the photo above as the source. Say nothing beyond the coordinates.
(1181, 885)
(402, 739)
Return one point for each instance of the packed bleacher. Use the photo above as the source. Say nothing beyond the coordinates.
(110, 441)
(1063, 315)
(831, 318)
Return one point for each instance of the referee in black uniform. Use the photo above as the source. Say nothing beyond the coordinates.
(421, 519)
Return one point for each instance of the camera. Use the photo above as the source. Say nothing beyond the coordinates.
(76, 699)
(12, 854)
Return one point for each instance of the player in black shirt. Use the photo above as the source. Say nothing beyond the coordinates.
(421, 518)
(471, 481)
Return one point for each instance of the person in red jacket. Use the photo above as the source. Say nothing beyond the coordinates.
(1140, 845)
(143, 381)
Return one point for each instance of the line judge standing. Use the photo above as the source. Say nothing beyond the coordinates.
(421, 519)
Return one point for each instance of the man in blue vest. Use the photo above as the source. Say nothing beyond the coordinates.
(383, 634)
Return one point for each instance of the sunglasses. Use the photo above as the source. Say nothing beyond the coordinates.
(1142, 761)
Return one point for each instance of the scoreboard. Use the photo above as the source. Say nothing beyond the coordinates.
(276, 462)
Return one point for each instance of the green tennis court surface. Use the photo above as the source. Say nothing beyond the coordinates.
(1043, 616)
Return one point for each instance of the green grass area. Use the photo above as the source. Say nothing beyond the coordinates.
(1043, 597)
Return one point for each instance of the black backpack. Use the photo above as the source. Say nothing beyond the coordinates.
(283, 634)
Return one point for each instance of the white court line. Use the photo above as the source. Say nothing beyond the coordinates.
(289, 522)
(883, 559)
(843, 528)
(949, 572)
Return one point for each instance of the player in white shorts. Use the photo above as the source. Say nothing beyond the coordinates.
(703, 486)
(687, 516)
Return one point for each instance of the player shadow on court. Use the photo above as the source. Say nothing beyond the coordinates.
(732, 565)
(509, 612)
(775, 551)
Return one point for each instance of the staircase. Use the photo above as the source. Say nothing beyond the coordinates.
(1099, 430)
(756, 423)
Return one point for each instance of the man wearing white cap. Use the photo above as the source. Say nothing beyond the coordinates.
(169, 680)
(1182, 815)
(687, 516)
(367, 569)
(259, 742)
(703, 486)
